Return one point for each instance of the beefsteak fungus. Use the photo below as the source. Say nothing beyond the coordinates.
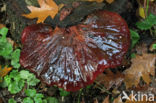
(72, 57)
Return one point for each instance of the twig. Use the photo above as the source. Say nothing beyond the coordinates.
(102, 88)
(147, 7)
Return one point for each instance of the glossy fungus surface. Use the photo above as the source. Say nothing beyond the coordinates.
(71, 58)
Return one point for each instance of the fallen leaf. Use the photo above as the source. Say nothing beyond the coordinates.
(110, 79)
(2, 25)
(115, 91)
(4, 71)
(83, 101)
(142, 12)
(106, 100)
(142, 66)
(118, 100)
(11, 41)
(96, 101)
(47, 8)
(109, 1)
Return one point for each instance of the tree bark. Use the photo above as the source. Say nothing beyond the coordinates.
(15, 8)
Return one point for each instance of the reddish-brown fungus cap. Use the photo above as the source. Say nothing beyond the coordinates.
(71, 58)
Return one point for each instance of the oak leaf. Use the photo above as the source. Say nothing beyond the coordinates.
(4, 71)
(142, 66)
(109, 79)
(47, 8)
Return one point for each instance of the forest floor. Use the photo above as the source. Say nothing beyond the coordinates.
(136, 75)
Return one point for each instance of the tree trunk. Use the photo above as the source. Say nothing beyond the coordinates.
(15, 8)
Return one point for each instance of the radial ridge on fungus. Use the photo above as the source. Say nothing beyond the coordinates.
(72, 57)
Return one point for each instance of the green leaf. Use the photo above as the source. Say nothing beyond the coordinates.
(133, 55)
(45, 101)
(1, 79)
(32, 80)
(24, 74)
(15, 58)
(38, 100)
(144, 25)
(52, 100)
(11, 100)
(89, 86)
(151, 19)
(5, 46)
(16, 86)
(154, 46)
(3, 33)
(5, 49)
(134, 37)
(13, 73)
(39, 95)
(3, 84)
(63, 92)
(14, 82)
(28, 100)
(147, 23)
(7, 80)
(30, 92)
(17, 77)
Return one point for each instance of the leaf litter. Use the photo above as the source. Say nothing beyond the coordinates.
(142, 66)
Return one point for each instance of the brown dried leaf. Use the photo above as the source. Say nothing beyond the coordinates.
(2, 25)
(106, 100)
(4, 71)
(47, 8)
(11, 41)
(142, 66)
(110, 79)
(109, 1)
(96, 101)
(118, 100)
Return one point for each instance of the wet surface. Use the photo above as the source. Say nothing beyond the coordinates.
(71, 58)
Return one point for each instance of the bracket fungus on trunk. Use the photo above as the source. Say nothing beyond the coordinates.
(72, 57)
